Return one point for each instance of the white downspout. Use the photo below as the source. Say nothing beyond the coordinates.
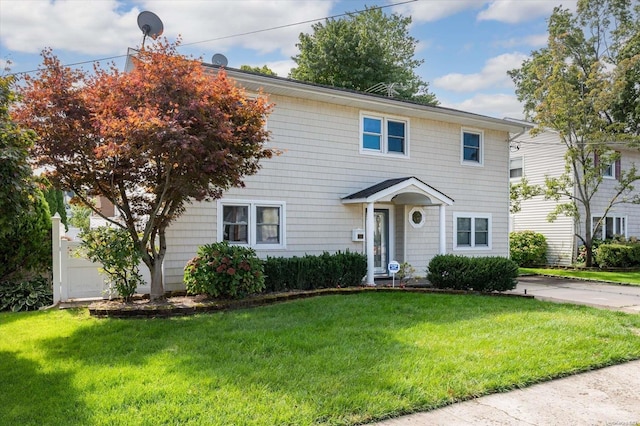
(369, 225)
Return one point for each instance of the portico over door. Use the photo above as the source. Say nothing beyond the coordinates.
(400, 191)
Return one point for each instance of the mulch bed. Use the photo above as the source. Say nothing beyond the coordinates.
(181, 305)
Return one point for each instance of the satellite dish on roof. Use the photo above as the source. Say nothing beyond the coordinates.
(219, 59)
(150, 25)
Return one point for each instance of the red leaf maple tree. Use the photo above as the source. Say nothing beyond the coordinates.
(150, 140)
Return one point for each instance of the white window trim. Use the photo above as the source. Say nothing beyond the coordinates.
(603, 225)
(384, 149)
(514, 179)
(480, 162)
(473, 217)
(421, 211)
(253, 204)
(611, 167)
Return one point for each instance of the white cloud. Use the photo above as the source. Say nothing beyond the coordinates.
(83, 27)
(516, 11)
(493, 74)
(110, 26)
(492, 105)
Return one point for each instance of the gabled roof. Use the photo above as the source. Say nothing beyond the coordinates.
(288, 87)
(405, 190)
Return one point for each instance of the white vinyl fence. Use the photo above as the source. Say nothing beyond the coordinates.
(77, 278)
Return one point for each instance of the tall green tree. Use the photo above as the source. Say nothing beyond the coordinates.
(25, 244)
(580, 85)
(55, 200)
(365, 51)
(260, 70)
(150, 140)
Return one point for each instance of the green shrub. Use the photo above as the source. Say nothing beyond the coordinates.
(528, 248)
(342, 269)
(494, 274)
(25, 245)
(25, 295)
(485, 274)
(618, 255)
(449, 271)
(114, 249)
(221, 270)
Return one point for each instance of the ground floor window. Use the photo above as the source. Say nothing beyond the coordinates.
(471, 231)
(251, 223)
(609, 227)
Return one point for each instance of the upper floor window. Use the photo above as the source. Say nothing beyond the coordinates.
(472, 147)
(472, 231)
(384, 135)
(516, 169)
(255, 224)
(612, 170)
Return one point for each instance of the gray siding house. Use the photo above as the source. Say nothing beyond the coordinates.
(543, 155)
(387, 178)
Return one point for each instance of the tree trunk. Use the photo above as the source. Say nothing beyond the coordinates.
(157, 279)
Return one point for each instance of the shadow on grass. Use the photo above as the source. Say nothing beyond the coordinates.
(32, 397)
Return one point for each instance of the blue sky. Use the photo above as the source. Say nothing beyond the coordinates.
(467, 45)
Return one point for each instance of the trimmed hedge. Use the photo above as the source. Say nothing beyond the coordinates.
(485, 274)
(528, 248)
(618, 255)
(342, 269)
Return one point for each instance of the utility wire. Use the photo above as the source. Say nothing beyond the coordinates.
(238, 35)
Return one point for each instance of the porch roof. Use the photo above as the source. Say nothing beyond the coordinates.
(405, 190)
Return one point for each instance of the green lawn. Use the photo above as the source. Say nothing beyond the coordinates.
(630, 278)
(340, 359)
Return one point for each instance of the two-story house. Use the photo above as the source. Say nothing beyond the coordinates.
(360, 172)
(544, 155)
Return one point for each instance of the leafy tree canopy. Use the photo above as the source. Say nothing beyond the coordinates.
(584, 84)
(260, 70)
(364, 51)
(149, 140)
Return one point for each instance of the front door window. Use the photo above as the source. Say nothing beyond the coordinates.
(381, 240)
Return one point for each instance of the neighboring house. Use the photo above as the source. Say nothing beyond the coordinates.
(391, 179)
(543, 155)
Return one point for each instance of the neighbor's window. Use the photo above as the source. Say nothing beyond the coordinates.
(472, 147)
(384, 135)
(610, 227)
(515, 168)
(256, 224)
(472, 231)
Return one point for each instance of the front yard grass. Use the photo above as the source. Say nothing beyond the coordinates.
(621, 277)
(327, 360)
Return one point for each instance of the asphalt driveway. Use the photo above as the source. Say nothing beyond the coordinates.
(624, 298)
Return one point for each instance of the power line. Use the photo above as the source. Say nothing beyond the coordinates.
(238, 35)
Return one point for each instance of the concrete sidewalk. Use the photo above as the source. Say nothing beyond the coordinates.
(608, 396)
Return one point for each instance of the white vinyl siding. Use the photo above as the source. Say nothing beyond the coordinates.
(321, 161)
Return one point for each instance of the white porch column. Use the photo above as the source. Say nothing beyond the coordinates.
(443, 229)
(369, 225)
(55, 244)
